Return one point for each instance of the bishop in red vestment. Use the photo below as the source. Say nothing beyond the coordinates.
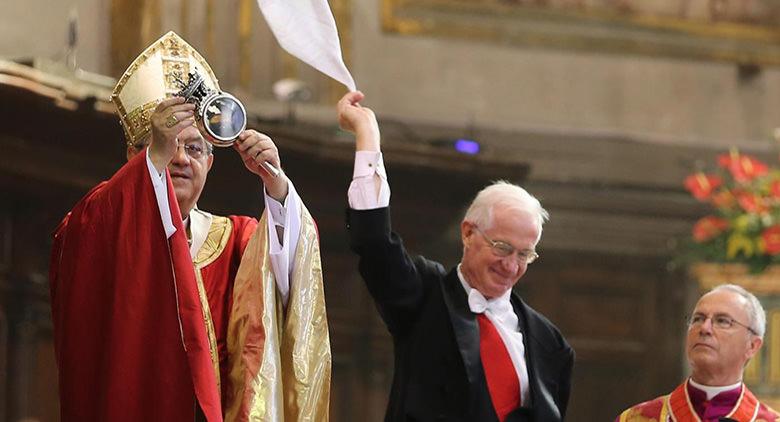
(164, 312)
(725, 331)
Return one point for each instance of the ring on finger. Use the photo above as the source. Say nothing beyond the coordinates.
(171, 121)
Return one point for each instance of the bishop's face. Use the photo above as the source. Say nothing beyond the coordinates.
(717, 352)
(189, 169)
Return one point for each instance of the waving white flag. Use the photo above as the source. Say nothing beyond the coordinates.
(307, 30)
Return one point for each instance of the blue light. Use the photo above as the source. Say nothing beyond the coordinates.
(467, 146)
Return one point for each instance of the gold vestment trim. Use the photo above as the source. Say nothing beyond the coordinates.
(216, 241)
(280, 359)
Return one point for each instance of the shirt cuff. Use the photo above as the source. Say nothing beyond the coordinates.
(277, 211)
(368, 163)
(369, 188)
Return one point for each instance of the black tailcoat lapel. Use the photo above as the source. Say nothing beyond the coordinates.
(464, 324)
(466, 330)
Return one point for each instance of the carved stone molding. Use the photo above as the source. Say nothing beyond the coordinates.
(649, 28)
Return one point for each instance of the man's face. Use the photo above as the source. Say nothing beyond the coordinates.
(719, 355)
(188, 173)
(487, 272)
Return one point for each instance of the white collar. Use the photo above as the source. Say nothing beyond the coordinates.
(713, 391)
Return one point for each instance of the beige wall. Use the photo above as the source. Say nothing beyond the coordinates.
(455, 82)
(39, 28)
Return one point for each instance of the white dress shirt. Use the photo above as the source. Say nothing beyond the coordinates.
(369, 190)
(282, 253)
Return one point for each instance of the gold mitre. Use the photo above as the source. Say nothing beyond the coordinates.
(152, 77)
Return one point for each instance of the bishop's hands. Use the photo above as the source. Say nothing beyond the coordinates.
(256, 149)
(170, 118)
(359, 120)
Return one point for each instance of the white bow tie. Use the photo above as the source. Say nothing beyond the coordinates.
(478, 304)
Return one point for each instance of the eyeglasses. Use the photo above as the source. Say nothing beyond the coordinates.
(503, 249)
(719, 321)
(194, 150)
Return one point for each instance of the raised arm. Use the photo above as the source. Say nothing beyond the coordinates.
(281, 203)
(395, 280)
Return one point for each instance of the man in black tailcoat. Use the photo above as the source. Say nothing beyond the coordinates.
(467, 348)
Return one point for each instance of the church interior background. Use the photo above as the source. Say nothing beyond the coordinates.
(600, 108)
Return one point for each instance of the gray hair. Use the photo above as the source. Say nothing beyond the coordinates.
(754, 309)
(503, 193)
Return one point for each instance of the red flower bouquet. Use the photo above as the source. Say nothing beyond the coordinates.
(744, 225)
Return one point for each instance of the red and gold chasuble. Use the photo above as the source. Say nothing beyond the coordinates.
(677, 407)
(273, 363)
(216, 264)
(143, 334)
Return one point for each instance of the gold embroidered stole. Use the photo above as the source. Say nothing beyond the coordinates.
(280, 360)
(634, 414)
(216, 241)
